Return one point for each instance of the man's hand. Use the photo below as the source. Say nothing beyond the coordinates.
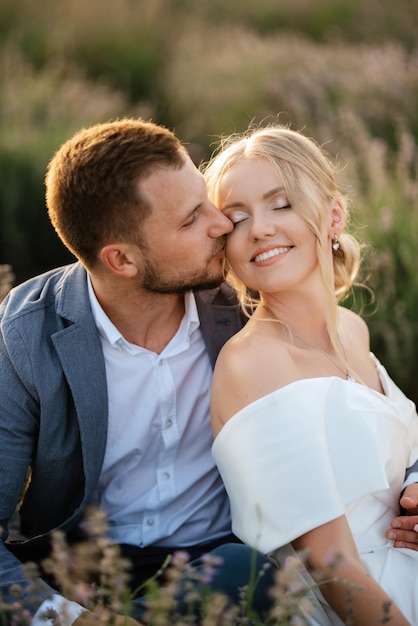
(90, 618)
(404, 530)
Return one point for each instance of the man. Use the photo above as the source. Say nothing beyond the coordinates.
(105, 365)
(404, 530)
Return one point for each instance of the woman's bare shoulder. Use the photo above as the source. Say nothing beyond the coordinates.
(249, 367)
(357, 348)
(250, 352)
(355, 325)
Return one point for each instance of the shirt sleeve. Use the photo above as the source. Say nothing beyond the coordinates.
(67, 611)
(410, 479)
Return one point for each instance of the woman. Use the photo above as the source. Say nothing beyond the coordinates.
(312, 436)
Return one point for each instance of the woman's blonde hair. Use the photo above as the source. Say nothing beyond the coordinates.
(300, 163)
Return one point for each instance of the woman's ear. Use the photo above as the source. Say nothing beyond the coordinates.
(337, 219)
(119, 259)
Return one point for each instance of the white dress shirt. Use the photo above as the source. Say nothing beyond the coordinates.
(159, 483)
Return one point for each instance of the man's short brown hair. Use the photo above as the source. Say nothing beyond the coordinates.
(91, 183)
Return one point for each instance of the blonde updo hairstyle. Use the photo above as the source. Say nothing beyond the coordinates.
(300, 163)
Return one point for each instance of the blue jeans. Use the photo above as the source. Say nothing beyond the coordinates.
(240, 566)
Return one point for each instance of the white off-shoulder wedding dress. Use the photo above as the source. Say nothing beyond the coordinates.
(317, 449)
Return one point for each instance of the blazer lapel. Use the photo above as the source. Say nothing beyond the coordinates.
(79, 349)
(220, 317)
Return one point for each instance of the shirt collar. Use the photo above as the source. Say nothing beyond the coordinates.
(108, 331)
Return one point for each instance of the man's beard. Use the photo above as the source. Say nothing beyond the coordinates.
(155, 281)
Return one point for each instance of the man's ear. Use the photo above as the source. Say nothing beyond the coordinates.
(119, 259)
(337, 219)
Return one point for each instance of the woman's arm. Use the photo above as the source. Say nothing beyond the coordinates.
(332, 553)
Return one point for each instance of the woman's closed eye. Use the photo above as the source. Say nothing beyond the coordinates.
(237, 217)
(281, 205)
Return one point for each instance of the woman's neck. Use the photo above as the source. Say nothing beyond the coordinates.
(309, 318)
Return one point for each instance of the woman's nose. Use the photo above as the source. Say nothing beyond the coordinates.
(262, 226)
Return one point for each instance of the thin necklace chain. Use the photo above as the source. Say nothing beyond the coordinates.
(346, 372)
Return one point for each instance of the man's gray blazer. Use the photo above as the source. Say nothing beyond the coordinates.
(53, 405)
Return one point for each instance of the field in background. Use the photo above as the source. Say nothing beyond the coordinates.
(344, 71)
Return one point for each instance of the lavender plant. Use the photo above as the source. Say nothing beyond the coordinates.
(93, 574)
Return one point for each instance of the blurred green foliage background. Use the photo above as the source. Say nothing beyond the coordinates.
(343, 71)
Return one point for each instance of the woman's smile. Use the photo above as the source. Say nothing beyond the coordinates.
(260, 257)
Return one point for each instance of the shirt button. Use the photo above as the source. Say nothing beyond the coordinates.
(168, 424)
(166, 476)
(150, 521)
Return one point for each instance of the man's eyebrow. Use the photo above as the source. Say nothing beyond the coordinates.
(199, 204)
(265, 196)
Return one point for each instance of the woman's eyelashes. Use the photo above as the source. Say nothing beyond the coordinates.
(282, 206)
(279, 203)
(237, 217)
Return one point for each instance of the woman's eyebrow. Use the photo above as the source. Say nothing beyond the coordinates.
(232, 205)
(273, 192)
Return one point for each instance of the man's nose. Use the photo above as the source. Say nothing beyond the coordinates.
(221, 225)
